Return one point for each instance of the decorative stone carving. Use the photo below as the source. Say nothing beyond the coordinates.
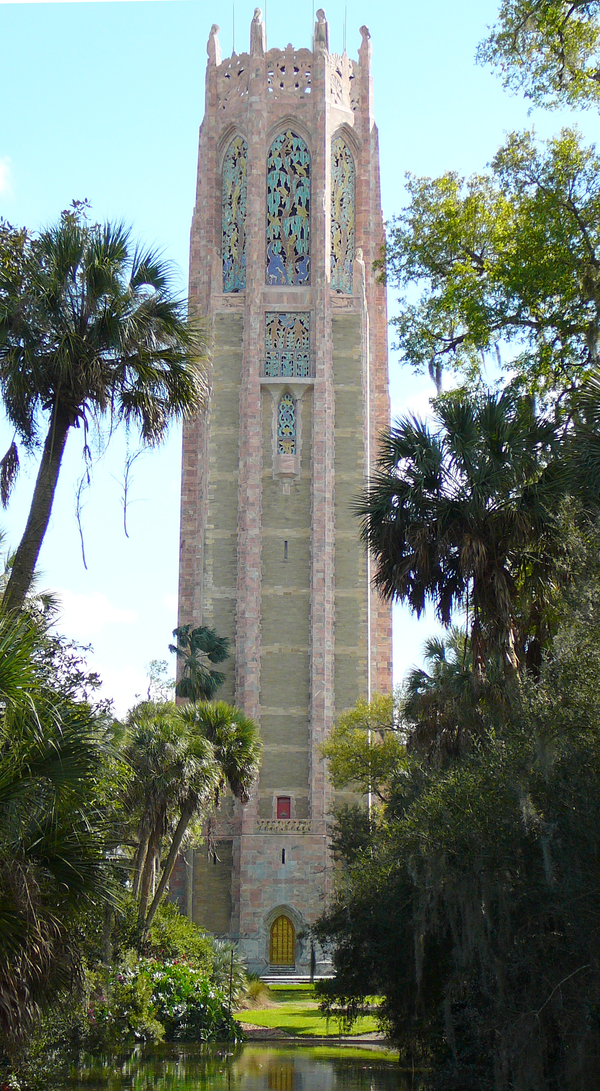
(258, 41)
(343, 204)
(321, 32)
(366, 47)
(287, 344)
(289, 72)
(288, 211)
(283, 825)
(341, 80)
(232, 81)
(235, 165)
(213, 48)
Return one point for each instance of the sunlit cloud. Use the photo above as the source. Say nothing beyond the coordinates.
(84, 616)
(124, 686)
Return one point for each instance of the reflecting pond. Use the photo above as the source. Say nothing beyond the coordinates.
(256, 1067)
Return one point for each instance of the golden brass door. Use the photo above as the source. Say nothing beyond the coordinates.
(283, 942)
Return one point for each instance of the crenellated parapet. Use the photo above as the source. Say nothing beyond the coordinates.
(288, 75)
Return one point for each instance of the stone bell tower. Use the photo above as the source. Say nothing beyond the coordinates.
(286, 228)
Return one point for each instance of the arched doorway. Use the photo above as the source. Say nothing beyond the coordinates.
(282, 948)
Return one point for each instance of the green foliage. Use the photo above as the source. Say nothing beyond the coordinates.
(228, 970)
(121, 1009)
(160, 686)
(472, 905)
(89, 330)
(57, 770)
(181, 758)
(549, 49)
(173, 936)
(197, 649)
(447, 708)
(257, 993)
(364, 744)
(506, 258)
(191, 1008)
(464, 512)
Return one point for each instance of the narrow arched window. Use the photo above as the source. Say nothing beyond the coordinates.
(343, 206)
(288, 211)
(286, 425)
(233, 248)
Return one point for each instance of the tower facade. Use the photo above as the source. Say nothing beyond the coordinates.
(286, 227)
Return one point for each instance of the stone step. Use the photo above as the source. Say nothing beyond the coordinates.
(283, 977)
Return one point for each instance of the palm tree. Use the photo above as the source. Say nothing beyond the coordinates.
(465, 515)
(235, 744)
(196, 649)
(165, 764)
(89, 329)
(54, 839)
(446, 706)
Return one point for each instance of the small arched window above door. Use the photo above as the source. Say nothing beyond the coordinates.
(282, 947)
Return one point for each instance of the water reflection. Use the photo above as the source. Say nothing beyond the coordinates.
(245, 1068)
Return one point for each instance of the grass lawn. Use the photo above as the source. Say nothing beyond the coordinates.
(296, 1012)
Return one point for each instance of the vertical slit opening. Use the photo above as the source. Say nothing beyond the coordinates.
(285, 551)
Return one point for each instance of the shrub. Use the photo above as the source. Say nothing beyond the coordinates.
(173, 936)
(190, 1007)
(121, 1010)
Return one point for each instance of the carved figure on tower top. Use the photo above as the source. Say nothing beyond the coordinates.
(212, 46)
(321, 32)
(258, 37)
(366, 47)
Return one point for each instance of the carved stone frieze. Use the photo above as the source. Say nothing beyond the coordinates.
(342, 81)
(232, 80)
(283, 825)
(289, 72)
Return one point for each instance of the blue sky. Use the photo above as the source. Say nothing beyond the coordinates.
(103, 101)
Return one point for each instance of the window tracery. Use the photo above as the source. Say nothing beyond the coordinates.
(343, 205)
(234, 215)
(286, 428)
(287, 344)
(288, 211)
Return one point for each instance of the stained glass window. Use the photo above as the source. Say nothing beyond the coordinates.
(288, 211)
(234, 215)
(287, 344)
(343, 203)
(286, 426)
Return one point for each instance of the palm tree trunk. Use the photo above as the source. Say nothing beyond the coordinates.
(139, 857)
(148, 871)
(178, 836)
(28, 551)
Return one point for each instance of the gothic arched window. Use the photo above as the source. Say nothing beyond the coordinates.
(288, 211)
(343, 204)
(234, 215)
(286, 425)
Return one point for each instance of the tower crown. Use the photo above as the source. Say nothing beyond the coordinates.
(288, 75)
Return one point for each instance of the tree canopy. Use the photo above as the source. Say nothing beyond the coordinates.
(463, 512)
(548, 49)
(90, 330)
(508, 263)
